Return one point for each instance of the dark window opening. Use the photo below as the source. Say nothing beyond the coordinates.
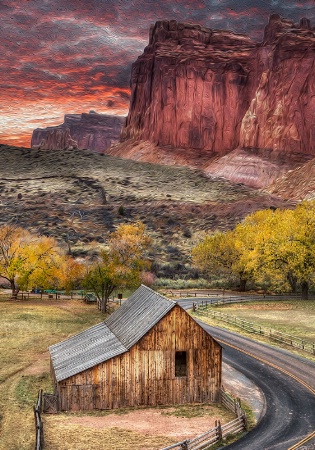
(180, 364)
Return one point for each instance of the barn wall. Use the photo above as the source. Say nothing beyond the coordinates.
(146, 374)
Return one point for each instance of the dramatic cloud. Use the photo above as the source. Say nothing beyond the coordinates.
(72, 56)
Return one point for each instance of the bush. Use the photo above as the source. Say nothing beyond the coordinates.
(121, 210)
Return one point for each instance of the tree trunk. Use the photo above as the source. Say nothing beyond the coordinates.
(242, 285)
(15, 290)
(292, 281)
(304, 286)
(104, 305)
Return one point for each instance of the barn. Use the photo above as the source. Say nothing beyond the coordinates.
(148, 352)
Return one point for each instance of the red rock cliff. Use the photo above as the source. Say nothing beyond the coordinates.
(91, 131)
(211, 90)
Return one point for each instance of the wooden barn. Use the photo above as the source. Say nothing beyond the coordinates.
(148, 352)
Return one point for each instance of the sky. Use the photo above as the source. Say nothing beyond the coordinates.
(72, 56)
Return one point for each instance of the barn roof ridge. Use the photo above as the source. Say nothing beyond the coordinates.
(112, 337)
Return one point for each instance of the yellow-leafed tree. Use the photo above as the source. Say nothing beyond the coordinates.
(121, 265)
(25, 258)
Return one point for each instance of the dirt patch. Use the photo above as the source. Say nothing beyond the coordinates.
(150, 422)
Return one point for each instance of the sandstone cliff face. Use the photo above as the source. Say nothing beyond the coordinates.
(191, 88)
(281, 114)
(211, 92)
(90, 131)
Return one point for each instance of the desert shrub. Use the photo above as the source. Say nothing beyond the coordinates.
(187, 233)
(121, 210)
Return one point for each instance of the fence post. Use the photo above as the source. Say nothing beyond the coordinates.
(184, 445)
(219, 430)
(244, 418)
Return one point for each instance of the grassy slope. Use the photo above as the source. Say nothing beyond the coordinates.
(77, 195)
(27, 329)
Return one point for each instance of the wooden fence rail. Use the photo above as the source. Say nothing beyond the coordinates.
(39, 444)
(275, 335)
(221, 295)
(219, 432)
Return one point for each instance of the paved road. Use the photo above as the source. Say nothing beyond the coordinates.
(288, 383)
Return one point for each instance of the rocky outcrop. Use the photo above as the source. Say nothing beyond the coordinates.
(90, 131)
(297, 184)
(56, 139)
(210, 92)
(253, 167)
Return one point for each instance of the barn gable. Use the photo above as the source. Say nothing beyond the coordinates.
(116, 335)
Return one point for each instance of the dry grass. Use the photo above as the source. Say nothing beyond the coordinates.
(61, 435)
(27, 329)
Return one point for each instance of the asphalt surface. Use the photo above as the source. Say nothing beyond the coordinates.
(287, 382)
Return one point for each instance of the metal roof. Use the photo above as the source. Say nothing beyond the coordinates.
(120, 331)
(138, 315)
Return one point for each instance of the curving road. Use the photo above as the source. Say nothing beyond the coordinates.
(286, 380)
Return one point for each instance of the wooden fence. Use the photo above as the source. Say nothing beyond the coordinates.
(275, 335)
(39, 444)
(219, 432)
(222, 296)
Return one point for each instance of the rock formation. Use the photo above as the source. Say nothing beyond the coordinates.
(189, 84)
(90, 131)
(281, 113)
(56, 139)
(212, 91)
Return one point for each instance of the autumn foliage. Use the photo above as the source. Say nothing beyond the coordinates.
(121, 265)
(273, 247)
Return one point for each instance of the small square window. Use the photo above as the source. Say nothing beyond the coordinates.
(180, 364)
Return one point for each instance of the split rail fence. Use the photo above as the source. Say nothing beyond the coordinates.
(219, 432)
(39, 444)
(275, 335)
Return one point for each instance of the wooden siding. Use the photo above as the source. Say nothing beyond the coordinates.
(145, 375)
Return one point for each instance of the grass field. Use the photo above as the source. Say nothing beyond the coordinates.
(294, 317)
(27, 328)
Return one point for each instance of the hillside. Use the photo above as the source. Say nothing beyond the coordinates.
(79, 197)
(297, 184)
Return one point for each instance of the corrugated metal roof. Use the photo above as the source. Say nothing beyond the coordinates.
(122, 329)
(138, 315)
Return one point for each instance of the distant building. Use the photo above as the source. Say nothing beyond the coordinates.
(148, 352)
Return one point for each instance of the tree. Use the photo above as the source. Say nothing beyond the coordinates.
(24, 257)
(215, 255)
(283, 246)
(122, 265)
(67, 273)
(225, 253)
